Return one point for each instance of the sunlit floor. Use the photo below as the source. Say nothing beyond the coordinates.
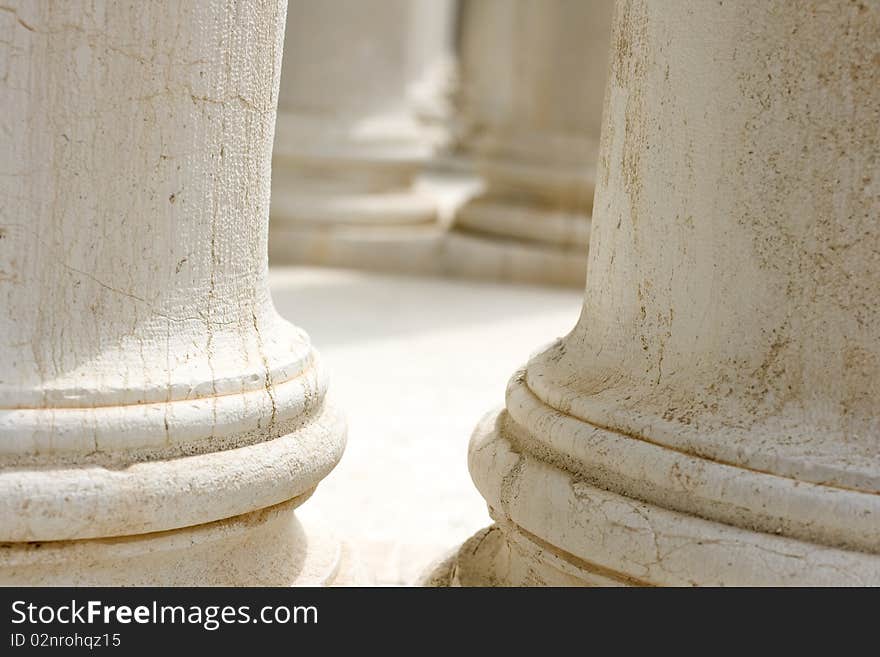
(415, 363)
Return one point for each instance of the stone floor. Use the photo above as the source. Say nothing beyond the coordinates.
(414, 362)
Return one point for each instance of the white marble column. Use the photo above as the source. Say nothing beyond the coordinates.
(159, 422)
(361, 109)
(530, 109)
(714, 417)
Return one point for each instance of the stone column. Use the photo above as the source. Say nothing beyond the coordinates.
(714, 416)
(159, 422)
(361, 110)
(532, 83)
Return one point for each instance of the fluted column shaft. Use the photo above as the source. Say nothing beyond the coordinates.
(714, 417)
(148, 389)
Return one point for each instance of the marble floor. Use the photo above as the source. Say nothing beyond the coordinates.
(414, 363)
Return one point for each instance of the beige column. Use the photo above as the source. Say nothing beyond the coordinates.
(714, 417)
(362, 108)
(159, 422)
(530, 105)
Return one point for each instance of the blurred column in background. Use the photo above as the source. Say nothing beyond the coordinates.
(159, 422)
(714, 417)
(363, 105)
(529, 114)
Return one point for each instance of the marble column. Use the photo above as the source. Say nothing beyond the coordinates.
(362, 107)
(159, 422)
(530, 110)
(714, 417)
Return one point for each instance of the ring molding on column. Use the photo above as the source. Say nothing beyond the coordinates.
(138, 468)
(729, 513)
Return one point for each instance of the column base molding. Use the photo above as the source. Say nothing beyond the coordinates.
(510, 556)
(129, 493)
(428, 251)
(501, 219)
(370, 210)
(411, 249)
(479, 256)
(269, 547)
(556, 525)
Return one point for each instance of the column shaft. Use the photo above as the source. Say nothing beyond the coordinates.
(714, 416)
(159, 422)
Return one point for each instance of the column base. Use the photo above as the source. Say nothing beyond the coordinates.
(269, 547)
(467, 255)
(411, 249)
(427, 251)
(297, 208)
(408, 232)
(534, 223)
(497, 558)
(558, 523)
(519, 240)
